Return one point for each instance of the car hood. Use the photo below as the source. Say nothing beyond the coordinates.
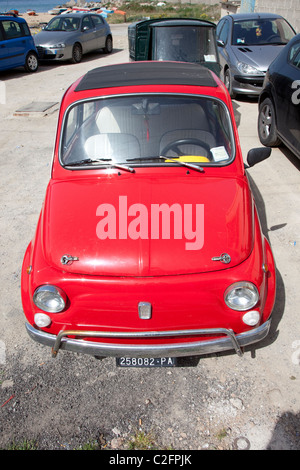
(213, 216)
(257, 56)
(53, 37)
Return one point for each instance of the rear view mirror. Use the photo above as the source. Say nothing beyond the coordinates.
(257, 155)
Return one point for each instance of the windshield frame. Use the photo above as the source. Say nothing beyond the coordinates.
(159, 161)
(280, 23)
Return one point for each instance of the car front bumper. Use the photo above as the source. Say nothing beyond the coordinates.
(250, 84)
(228, 342)
(49, 53)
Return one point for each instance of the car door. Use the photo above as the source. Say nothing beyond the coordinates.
(100, 31)
(14, 44)
(88, 34)
(287, 86)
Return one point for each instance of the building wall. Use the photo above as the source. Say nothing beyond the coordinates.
(289, 9)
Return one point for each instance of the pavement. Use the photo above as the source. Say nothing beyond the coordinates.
(216, 402)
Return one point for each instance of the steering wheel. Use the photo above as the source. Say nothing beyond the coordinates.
(189, 141)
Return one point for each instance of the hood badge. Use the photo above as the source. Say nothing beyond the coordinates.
(224, 258)
(145, 310)
(68, 259)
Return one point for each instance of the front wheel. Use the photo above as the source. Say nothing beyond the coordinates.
(108, 45)
(31, 63)
(76, 54)
(228, 83)
(267, 130)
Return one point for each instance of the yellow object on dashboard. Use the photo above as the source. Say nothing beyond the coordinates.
(190, 158)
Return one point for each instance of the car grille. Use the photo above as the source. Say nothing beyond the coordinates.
(43, 55)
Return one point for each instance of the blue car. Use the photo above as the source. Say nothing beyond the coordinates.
(16, 44)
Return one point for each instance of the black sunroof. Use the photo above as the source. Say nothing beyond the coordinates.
(147, 73)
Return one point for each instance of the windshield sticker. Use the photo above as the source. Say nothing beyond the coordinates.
(219, 154)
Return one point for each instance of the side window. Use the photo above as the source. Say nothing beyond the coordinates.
(219, 27)
(25, 29)
(294, 55)
(87, 23)
(1, 34)
(224, 32)
(97, 20)
(11, 29)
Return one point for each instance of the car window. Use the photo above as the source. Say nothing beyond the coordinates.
(1, 35)
(224, 32)
(145, 127)
(219, 27)
(87, 23)
(97, 20)
(261, 31)
(294, 55)
(12, 29)
(187, 44)
(63, 24)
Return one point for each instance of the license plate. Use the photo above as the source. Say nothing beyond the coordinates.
(146, 361)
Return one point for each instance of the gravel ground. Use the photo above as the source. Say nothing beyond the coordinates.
(216, 402)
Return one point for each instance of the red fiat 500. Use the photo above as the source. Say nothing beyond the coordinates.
(148, 246)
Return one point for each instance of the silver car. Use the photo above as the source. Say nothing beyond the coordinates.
(69, 36)
(247, 45)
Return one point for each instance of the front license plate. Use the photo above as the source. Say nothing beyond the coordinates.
(146, 361)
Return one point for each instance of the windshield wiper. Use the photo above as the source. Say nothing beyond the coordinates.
(103, 161)
(161, 157)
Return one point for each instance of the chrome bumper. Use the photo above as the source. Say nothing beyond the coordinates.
(230, 341)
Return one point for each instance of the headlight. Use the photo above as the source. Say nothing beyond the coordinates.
(248, 69)
(241, 296)
(50, 299)
(58, 46)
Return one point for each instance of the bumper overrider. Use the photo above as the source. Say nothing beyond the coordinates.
(229, 341)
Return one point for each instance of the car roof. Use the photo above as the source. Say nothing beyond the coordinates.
(147, 73)
(12, 17)
(254, 16)
(78, 14)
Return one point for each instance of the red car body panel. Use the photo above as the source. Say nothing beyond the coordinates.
(185, 287)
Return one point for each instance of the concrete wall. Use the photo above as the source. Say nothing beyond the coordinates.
(289, 9)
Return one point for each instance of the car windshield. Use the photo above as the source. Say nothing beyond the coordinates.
(184, 43)
(63, 24)
(261, 31)
(147, 130)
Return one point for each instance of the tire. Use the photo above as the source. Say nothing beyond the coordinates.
(266, 125)
(76, 54)
(108, 45)
(228, 83)
(31, 62)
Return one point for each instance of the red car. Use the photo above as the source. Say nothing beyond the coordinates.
(148, 246)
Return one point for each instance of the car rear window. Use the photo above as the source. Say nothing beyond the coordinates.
(141, 128)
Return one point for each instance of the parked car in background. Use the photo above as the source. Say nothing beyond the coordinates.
(248, 43)
(176, 39)
(279, 101)
(148, 245)
(16, 44)
(69, 36)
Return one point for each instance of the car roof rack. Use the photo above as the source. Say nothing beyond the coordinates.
(8, 14)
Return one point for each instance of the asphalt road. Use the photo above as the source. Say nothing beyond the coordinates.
(221, 401)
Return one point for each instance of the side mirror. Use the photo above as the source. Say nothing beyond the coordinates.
(220, 43)
(257, 155)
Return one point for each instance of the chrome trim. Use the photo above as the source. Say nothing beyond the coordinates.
(229, 342)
